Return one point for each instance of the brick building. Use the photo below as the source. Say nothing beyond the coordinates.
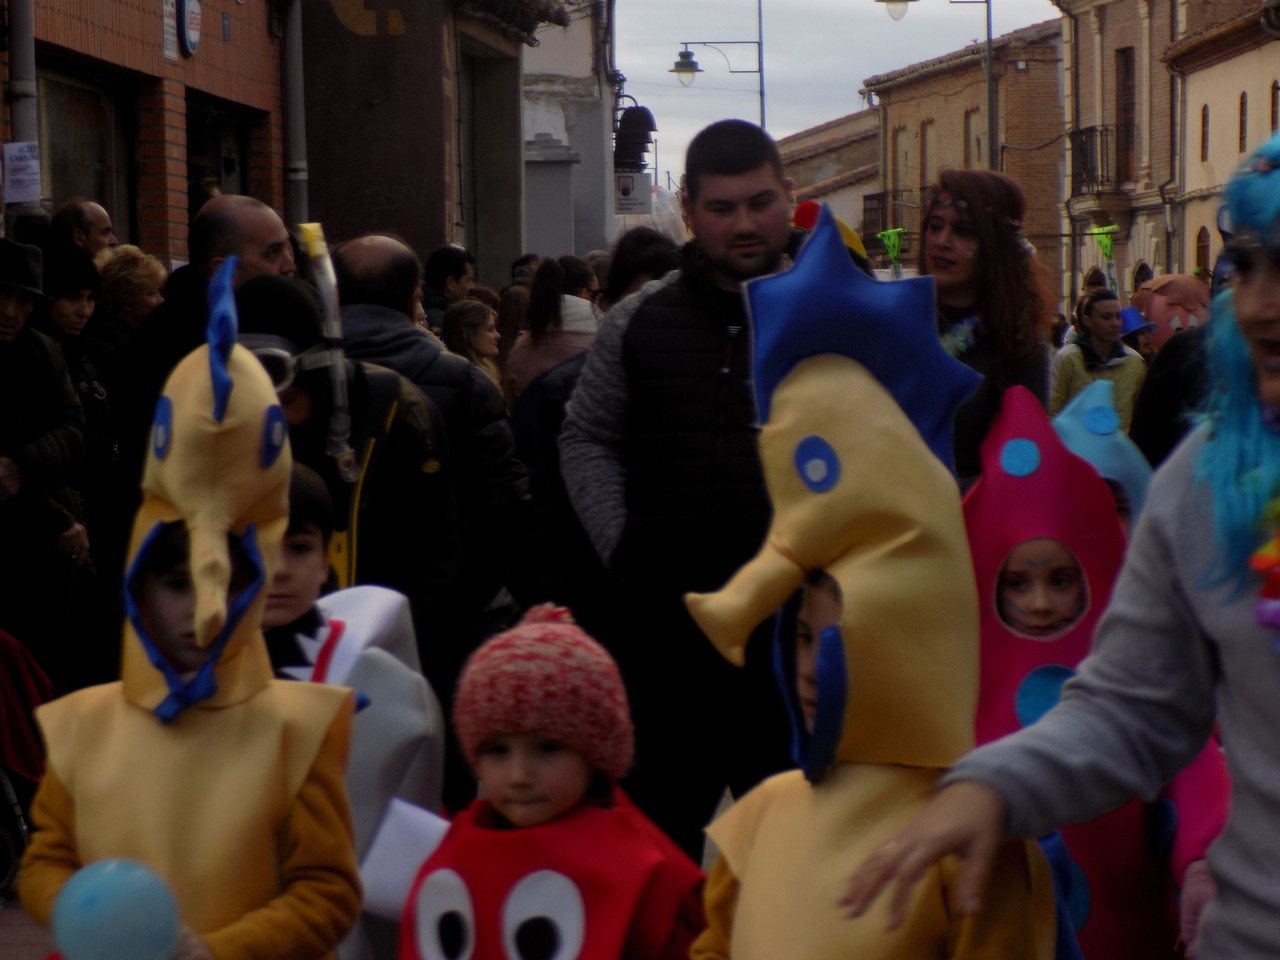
(837, 163)
(135, 101)
(933, 115)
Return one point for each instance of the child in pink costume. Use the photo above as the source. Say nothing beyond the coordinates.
(1125, 864)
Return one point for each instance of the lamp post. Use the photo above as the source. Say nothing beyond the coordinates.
(686, 67)
(897, 9)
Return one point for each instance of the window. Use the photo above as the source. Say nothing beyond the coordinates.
(1202, 249)
(84, 142)
(972, 139)
(928, 155)
(1204, 134)
(1244, 122)
(1126, 116)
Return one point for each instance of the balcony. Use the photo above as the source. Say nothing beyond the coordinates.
(1100, 188)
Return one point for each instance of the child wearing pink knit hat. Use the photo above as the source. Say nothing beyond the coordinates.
(552, 857)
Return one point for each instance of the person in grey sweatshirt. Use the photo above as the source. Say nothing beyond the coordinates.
(1192, 636)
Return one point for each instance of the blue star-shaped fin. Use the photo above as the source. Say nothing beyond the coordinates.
(221, 334)
(825, 304)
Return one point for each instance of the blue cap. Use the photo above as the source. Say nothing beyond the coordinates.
(1132, 321)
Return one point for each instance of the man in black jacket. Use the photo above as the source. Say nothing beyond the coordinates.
(378, 288)
(659, 457)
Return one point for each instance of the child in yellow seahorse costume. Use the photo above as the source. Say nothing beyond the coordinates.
(226, 782)
(856, 397)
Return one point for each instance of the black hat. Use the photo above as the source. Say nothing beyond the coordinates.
(67, 271)
(21, 266)
(281, 306)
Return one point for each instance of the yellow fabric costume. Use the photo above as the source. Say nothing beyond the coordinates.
(228, 783)
(853, 445)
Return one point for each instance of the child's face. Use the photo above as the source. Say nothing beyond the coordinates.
(167, 600)
(531, 779)
(820, 608)
(167, 605)
(1041, 588)
(299, 578)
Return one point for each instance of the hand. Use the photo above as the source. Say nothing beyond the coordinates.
(965, 819)
(74, 542)
(10, 478)
(191, 947)
(1198, 889)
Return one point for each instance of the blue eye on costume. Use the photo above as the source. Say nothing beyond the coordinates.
(274, 434)
(817, 463)
(1020, 457)
(162, 428)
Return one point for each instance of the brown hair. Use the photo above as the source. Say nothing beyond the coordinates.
(1013, 300)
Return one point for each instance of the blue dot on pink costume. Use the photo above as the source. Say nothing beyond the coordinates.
(1020, 457)
(817, 463)
(1039, 691)
(116, 910)
(1102, 421)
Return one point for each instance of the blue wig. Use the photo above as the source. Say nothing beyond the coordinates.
(1241, 459)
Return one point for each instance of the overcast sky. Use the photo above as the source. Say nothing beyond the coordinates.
(816, 55)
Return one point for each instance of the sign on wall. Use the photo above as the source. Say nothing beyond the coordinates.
(632, 193)
(171, 29)
(189, 17)
(22, 172)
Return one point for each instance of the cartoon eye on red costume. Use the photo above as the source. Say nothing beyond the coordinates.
(444, 918)
(544, 918)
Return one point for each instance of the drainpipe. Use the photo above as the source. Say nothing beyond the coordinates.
(1178, 175)
(295, 129)
(23, 114)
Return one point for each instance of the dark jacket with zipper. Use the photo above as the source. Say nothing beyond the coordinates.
(659, 446)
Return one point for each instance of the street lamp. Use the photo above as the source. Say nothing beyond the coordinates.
(898, 9)
(686, 68)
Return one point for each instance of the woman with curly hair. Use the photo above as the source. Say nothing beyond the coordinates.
(993, 308)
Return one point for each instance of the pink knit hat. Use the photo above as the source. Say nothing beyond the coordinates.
(546, 676)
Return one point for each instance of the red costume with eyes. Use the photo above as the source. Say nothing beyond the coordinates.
(596, 884)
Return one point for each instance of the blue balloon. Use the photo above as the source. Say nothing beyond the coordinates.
(116, 910)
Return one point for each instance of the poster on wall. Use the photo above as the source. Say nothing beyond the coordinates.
(22, 172)
(170, 29)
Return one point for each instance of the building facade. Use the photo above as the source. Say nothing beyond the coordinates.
(1230, 105)
(1125, 130)
(134, 104)
(933, 115)
(836, 163)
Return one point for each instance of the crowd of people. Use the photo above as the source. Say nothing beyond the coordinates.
(553, 474)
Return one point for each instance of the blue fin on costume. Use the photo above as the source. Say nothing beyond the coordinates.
(221, 334)
(1090, 428)
(833, 696)
(825, 304)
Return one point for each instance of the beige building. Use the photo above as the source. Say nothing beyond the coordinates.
(933, 115)
(836, 163)
(1230, 105)
(1122, 114)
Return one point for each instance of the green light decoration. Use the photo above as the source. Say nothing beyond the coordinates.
(892, 240)
(1105, 237)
